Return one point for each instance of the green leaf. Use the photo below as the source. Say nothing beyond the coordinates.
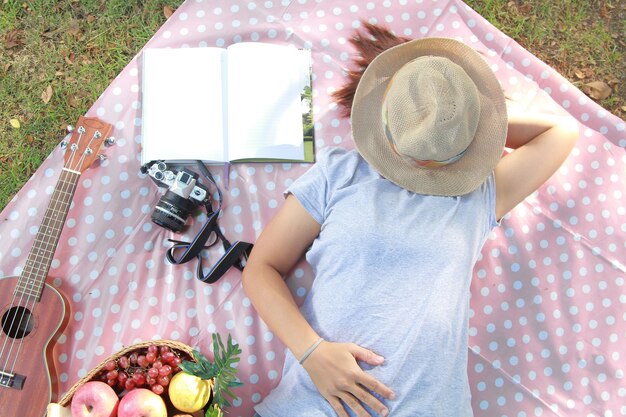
(223, 371)
(191, 367)
(201, 359)
(214, 411)
(202, 368)
(225, 358)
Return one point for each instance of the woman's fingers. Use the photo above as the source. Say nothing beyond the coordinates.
(334, 370)
(356, 388)
(365, 355)
(355, 405)
(371, 401)
(366, 380)
(376, 386)
(337, 406)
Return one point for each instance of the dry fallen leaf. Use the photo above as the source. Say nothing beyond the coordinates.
(167, 11)
(586, 72)
(91, 18)
(13, 39)
(526, 9)
(15, 123)
(46, 94)
(598, 90)
(73, 102)
(73, 28)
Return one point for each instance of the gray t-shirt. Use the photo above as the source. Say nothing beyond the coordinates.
(392, 274)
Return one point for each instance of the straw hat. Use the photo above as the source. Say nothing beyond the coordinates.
(430, 116)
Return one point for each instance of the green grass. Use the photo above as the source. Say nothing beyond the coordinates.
(583, 40)
(78, 47)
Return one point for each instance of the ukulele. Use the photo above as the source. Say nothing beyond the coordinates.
(32, 311)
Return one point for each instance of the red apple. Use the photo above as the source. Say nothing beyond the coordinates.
(141, 402)
(94, 399)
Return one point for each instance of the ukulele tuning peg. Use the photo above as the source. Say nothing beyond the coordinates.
(110, 141)
(69, 128)
(102, 157)
(64, 144)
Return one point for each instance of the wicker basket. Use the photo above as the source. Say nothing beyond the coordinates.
(178, 347)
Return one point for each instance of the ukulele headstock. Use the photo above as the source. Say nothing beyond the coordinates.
(81, 149)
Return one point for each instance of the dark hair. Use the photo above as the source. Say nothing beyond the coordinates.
(368, 46)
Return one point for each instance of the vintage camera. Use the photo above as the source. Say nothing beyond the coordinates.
(184, 193)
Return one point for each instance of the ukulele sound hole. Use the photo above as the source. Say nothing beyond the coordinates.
(17, 322)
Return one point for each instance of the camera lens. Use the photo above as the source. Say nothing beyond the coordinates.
(172, 211)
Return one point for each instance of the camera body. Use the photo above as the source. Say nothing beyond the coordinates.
(184, 193)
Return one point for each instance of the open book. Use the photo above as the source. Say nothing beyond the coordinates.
(245, 103)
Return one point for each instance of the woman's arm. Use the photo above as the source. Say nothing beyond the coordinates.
(541, 143)
(275, 252)
(332, 366)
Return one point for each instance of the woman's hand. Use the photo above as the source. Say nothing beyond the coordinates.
(334, 370)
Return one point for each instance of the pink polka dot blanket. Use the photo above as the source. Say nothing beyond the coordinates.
(548, 306)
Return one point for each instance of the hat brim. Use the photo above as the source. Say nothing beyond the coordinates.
(484, 152)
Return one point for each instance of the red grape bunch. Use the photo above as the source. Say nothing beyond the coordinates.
(150, 367)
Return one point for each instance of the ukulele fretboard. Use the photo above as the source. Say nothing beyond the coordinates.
(39, 259)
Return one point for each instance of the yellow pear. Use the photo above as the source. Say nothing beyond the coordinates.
(189, 393)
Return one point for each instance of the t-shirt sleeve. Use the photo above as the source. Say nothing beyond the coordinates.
(313, 188)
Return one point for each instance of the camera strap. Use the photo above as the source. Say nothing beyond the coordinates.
(235, 254)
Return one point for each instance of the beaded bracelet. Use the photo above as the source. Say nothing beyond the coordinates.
(311, 349)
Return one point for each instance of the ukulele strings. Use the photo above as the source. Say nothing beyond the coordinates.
(33, 297)
(28, 298)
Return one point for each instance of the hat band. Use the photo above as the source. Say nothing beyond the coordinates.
(422, 163)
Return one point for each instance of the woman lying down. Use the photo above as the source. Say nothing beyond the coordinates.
(393, 230)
